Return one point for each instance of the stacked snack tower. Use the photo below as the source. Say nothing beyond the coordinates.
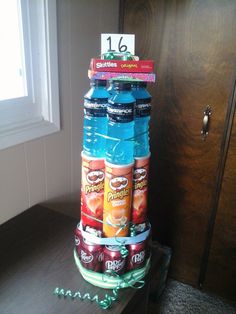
(113, 232)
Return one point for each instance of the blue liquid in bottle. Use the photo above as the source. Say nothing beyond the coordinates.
(119, 149)
(95, 119)
(142, 118)
(111, 88)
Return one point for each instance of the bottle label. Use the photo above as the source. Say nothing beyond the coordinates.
(92, 192)
(120, 112)
(142, 108)
(140, 190)
(117, 200)
(95, 108)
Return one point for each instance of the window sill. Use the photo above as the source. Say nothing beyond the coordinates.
(27, 131)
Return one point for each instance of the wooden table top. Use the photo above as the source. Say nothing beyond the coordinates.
(36, 257)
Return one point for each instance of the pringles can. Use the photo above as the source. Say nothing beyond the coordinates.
(113, 260)
(140, 190)
(92, 191)
(117, 199)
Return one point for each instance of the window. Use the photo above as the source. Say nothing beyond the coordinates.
(29, 101)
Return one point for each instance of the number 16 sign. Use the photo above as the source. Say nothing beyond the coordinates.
(117, 43)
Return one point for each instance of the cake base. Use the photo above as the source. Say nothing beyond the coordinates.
(105, 281)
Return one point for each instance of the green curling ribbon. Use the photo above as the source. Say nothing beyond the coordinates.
(131, 279)
(132, 230)
(112, 55)
(109, 299)
(108, 56)
(123, 251)
(104, 304)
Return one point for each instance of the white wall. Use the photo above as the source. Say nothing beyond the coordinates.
(47, 170)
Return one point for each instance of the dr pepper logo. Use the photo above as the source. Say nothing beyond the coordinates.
(138, 258)
(86, 258)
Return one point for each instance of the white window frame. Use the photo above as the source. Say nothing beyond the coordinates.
(27, 118)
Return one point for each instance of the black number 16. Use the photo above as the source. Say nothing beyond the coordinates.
(121, 48)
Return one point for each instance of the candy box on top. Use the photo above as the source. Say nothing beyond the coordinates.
(141, 66)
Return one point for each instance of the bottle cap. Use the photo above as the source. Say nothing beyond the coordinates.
(97, 82)
(122, 85)
(140, 84)
(113, 81)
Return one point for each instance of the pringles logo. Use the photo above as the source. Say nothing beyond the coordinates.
(140, 178)
(96, 180)
(118, 184)
(94, 177)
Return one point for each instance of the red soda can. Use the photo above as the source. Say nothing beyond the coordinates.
(78, 238)
(93, 231)
(140, 228)
(113, 260)
(91, 255)
(137, 254)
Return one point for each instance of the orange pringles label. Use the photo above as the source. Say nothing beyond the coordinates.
(92, 191)
(140, 190)
(117, 199)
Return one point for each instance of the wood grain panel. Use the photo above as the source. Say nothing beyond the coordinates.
(221, 271)
(193, 45)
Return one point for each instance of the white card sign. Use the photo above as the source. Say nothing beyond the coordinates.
(118, 43)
